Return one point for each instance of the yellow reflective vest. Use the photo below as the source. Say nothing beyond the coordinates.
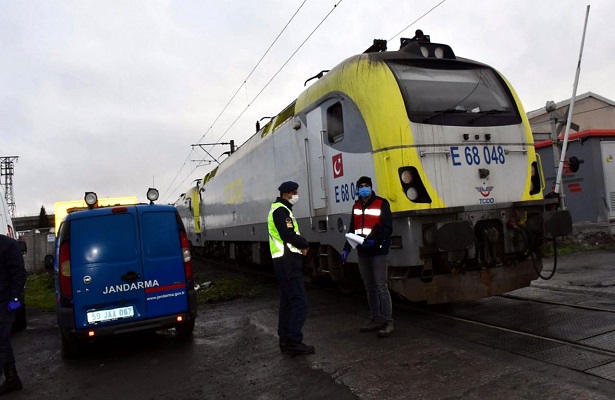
(276, 244)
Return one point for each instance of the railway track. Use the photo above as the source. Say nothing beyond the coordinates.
(575, 336)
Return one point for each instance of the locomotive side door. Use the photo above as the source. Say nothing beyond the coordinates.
(315, 162)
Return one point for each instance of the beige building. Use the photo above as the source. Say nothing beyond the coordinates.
(589, 191)
(591, 111)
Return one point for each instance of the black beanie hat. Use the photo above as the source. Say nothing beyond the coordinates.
(288, 186)
(364, 179)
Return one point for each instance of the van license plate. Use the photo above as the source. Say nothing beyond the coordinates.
(110, 315)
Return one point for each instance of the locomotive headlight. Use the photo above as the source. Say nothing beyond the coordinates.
(406, 177)
(439, 52)
(424, 51)
(412, 185)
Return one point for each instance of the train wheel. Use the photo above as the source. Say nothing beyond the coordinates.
(345, 286)
(351, 281)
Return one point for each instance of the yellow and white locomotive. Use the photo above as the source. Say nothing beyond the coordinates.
(446, 142)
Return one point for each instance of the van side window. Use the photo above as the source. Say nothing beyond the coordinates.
(335, 123)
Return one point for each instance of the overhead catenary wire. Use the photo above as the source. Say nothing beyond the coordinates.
(280, 69)
(417, 20)
(265, 86)
(252, 71)
(166, 193)
(283, 66)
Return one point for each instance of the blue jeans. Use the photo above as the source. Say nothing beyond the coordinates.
(7, 358)
(293, 309)
(374, 274)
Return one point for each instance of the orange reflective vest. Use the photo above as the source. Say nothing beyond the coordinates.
(366, 217)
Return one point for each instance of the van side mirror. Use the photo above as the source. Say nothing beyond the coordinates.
(49, 262)
(23, 246)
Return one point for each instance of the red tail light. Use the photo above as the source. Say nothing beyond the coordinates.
(66, 285)
(186, 254)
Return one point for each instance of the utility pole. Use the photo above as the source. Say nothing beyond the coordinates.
(6, 175)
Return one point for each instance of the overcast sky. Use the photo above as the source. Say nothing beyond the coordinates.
(108, 96)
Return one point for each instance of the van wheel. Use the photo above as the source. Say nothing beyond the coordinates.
(70, 345)
(185, 330)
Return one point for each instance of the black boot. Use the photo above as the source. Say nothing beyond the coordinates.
(284, 343)
(299, 348)
(12, 381)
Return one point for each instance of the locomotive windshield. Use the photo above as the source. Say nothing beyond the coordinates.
(455, 96)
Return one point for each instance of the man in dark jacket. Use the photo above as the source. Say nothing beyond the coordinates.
(12, 281)
(287, 251)
(372, 219)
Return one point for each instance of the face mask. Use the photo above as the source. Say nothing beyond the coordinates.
(365, 191)
(293, 200)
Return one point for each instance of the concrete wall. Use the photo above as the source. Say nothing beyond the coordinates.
(40, 243)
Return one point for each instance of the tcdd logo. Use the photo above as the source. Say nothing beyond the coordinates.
(338, 166)
(484, 191)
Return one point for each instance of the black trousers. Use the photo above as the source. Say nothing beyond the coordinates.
(293, 309)
(7, 358)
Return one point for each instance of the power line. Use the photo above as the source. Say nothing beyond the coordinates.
(418, 19)
(253, 69)
(235, 94)
(166, 192)
(281, 68)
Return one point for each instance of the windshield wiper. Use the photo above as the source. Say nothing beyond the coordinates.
(483, 113)
(442, 112)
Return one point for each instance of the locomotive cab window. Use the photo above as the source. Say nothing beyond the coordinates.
(335, 123)
(456, 95)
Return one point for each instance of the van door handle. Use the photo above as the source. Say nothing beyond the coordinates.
(130, 276)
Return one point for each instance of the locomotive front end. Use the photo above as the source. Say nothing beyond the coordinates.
(466, 185)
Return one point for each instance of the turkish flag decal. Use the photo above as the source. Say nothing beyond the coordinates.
(338, 166)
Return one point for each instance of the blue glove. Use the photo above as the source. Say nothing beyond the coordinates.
(13, 305)
(345, 255)
(368, 243)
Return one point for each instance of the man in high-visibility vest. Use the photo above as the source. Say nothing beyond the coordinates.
(372, 219)
(287, 251)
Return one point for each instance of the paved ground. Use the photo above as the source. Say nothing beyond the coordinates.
(234, 355)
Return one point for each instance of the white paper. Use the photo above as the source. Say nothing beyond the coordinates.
(354, 239)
